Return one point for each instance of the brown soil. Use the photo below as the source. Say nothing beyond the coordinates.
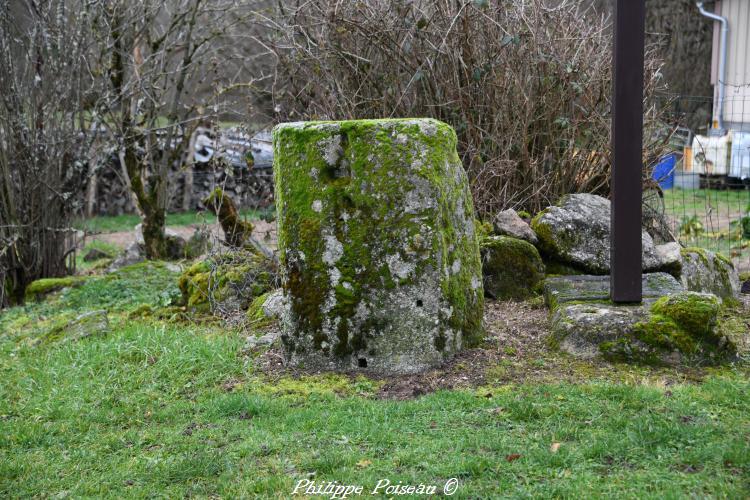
(516, 351)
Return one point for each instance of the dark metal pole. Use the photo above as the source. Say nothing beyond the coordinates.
(627, 145)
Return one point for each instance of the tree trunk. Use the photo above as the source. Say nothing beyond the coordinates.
(91, 192)
(187, 193)
(155, 240)
(149, 202)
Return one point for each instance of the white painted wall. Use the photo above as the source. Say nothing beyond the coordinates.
(737, 102)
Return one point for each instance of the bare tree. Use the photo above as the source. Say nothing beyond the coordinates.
(41, 53)
(150, 55)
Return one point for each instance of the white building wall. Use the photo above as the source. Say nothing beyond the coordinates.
(737, 101)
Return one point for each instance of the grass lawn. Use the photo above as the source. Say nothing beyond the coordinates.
(709, 218)
(715, 209)
(126, 222)
(172, 407)
(699, 201)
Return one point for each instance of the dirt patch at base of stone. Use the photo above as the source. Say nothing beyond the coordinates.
(516, 351)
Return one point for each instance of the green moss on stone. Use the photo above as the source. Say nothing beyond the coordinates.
(700, 252)
(36, 290)
(524, 215)
(694, 312)
(512, 268)
(241, 276)
(541, 229)
(681, 327)
(549, 243)
(665, 333)
(484, 229)
(256, 316)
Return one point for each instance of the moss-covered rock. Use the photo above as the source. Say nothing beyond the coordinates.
(37, 290)
(512, 268)
(233, 279)
(696, 313)
(708, 272)
(266, 309)
(378, 247)
(576, 231)
(680, 328)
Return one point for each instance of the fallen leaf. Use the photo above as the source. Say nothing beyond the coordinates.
(364, 463)
(512, 457)
(554, 447)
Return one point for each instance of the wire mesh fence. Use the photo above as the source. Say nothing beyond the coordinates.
(704, 181)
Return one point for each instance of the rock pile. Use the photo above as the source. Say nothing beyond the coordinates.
(572, 237)
(683, 287)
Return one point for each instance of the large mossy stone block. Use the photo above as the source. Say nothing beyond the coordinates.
(672, 326)
(377, 245)
(576, 231)
(587, 288)
(678, 329)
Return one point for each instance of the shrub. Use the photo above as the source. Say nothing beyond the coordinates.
(526, 84)
(41, 86)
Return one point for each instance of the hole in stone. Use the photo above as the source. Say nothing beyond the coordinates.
(347, 202)
(362, 363)
(419, 303)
